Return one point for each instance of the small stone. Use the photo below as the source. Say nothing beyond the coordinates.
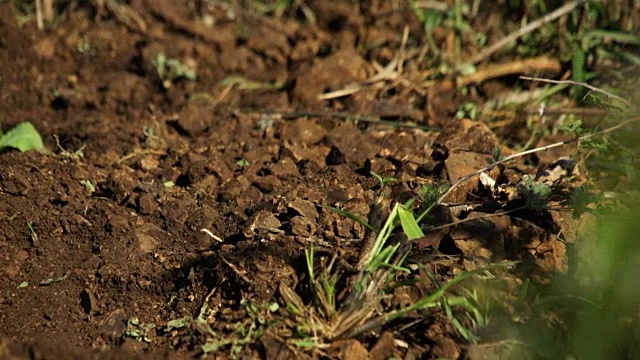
(147, 204)
(285, 168)
(149, 163)
(302, 226)
(445, 348)
(303, 132)
(468, 135)
(261, 220)
(349, 349)
(383, 349)
(460, 164)
(117, 224)
(45, 48)
(267, 184)
(194, 119)
(119, 185)
(304, 207)
(147, 235)
(146, 243)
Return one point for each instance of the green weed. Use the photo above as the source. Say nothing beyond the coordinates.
(237, 336)
(170, 70)
(23, 137)
(356, 314)
(137, 330)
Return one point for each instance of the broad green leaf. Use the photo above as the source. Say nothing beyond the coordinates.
(409, 224)
(23, 137)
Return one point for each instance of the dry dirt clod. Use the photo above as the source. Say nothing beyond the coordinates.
(462, 163)
(303, 132)
(304, 207)
(262, 220)
(194, 119)
(349, 349)
(332, 73)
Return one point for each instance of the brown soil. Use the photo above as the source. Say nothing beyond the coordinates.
(169, 157)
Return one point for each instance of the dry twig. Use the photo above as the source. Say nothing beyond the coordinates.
(528, 152)
(577, 83)
(540, 63)
(527, 29)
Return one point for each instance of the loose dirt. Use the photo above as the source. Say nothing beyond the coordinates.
(160, 195)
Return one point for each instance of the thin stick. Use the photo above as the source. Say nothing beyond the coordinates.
(526, 29)
(521, 154)
(39, 21)
(47, 10)
(524, 66)
(483, 217)
(577, 83)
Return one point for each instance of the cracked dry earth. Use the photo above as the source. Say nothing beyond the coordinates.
(88, 243)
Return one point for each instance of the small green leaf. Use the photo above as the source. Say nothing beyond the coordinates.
(409, 224)
(383, 180)
(242, 162)
(352, 217)
(23, 137)
(179, 323)
(88, 185)
(273, 307)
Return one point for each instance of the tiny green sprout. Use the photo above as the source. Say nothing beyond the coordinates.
(383, 180)
(432, 192)
(171, 69)
(573, 127)
(137, 330)
(148, 131)
(168, 184)
(88, 185)
(242, 162)
(23, 285)
(496, 154)
(534, 192)
(34, 234)
(468, 110)
(274, 306)
(179, 323)
(85, 47)
(23, 137)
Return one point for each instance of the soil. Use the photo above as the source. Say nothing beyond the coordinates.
(161, 195)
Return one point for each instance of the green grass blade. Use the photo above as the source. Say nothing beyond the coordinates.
(428, 301)
(309, 257)
(618, 36)
(409, 224)
(352, 217)
(381, 239)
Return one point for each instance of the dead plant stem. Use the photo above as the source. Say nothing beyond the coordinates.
(528, 152)
(502, 213)
(526, 29)
(577, 83)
